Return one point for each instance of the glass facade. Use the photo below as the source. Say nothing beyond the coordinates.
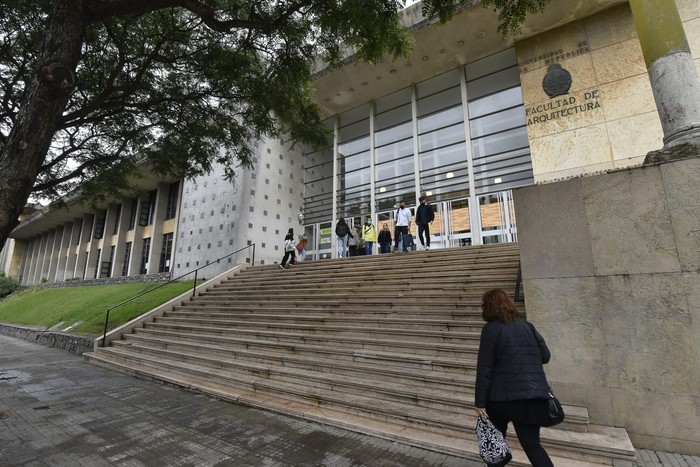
(460, 138)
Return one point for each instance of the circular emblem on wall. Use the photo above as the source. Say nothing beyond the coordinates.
(557, 81)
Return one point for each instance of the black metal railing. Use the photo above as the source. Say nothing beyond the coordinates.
(194, 286)
(517, 297)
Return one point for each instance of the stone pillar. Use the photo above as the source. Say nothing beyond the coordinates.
(672, 73)
(72, 249)
(64, 248)
(157, 235)
(27, 262)
(120, 240)
(83, 243)
(55, 254)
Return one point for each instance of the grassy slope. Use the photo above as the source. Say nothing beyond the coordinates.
(47, 307)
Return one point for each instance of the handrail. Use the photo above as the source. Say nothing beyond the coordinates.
(194, 286)
(517, 297)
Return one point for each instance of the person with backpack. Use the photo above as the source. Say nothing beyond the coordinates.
(342, 230)
(424, 217)
(369, 235)
(403, 221)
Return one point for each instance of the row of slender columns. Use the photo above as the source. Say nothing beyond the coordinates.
(72, 251)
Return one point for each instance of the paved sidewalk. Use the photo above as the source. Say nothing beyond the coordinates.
(56, 410)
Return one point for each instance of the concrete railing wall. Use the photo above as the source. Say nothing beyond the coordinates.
(611, 269)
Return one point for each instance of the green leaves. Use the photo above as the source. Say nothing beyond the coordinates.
(512, 13)
(187, 86)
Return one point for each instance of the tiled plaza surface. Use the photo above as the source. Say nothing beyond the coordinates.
(56, 410)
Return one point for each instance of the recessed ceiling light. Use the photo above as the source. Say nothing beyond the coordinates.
(460, 43)
(428, 193)
(497, 180)
(449, 175)
(393, 72)
(382, 189)
(425, 58)
(364, 83)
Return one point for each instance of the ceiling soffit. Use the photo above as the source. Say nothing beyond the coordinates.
(470, 35)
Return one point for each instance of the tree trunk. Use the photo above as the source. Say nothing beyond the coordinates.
(45, 100)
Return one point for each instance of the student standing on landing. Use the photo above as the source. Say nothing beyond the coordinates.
(342, 230)
(384, 239)
(353, 241)
(369, 235)
(403, 220)
(424, 217)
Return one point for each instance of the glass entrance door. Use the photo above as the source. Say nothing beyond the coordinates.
(497, 216)
(452, 226)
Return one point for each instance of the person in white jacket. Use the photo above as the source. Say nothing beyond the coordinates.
(403, 221)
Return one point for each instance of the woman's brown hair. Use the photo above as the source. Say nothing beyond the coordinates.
(497, 305)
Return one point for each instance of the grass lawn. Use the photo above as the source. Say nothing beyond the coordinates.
(42, 307)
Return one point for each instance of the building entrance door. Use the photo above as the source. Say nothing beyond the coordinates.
(497, 217)
(452, 226)
(320, 244)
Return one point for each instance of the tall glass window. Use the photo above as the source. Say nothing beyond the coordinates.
(441, 140)
(354, 177)
(318, 183)
(500, 146)
(393, 139)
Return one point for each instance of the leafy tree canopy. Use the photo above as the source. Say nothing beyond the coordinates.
(91, 87)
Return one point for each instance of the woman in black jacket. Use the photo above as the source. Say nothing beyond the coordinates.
(510, 381)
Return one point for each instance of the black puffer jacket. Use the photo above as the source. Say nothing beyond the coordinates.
(510, 363)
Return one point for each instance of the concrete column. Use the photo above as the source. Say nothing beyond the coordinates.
(55, 250)
(64, 247)
(25, 267)
(120, 240)
(43, 266)
(157, 235)
(73, 242)
(83, 243)
(137, 243)
(672, 72)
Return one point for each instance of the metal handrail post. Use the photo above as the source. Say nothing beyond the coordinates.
(517, 297)
(194, 286)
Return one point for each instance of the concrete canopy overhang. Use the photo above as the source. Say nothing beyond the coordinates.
(51, 217)
(471, 34)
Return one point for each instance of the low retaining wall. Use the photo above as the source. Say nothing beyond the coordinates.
(70, 343)
(146, 278)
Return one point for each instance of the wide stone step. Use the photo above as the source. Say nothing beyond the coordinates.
(332, 322)
(341, 300)
(327, 330)
(324, 391)
(235, 310)
(435, 390)
(231, 345)
(465, 311)
(352, 342)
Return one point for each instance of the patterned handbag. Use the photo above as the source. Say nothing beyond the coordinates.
(493, 449)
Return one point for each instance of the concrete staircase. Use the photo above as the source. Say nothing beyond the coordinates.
(384, 345)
